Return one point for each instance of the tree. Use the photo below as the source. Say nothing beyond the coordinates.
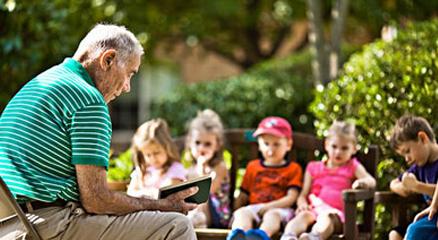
(245, 32)
(326, 61)
(35, 34)
(369, 15)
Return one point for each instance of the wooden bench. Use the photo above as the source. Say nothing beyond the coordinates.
(400, 206)
(306, 147)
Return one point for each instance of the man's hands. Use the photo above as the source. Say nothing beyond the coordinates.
(175, 202)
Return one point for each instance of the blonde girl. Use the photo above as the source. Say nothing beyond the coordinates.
(205, 142)
(320, 201)
(156, 160)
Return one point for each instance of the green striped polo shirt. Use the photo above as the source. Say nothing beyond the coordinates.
(57, 120)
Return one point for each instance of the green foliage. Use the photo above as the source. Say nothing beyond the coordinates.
(279, 87)
(34, 35)
(380, 84)
(120, 167)
(223, 27)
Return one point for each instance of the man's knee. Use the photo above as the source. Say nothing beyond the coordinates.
(181, 219)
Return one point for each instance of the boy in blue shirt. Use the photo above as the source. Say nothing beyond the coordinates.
(413, 138)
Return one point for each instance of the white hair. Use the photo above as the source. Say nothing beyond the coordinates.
(107, 36)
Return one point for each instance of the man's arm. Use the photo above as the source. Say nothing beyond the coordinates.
(97, 198)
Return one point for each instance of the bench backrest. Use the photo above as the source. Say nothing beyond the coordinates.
(306, 147)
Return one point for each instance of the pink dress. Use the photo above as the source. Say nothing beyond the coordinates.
(328, 184)
(150, 183)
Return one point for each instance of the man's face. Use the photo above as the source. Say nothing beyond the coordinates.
(117, 78)
(414, 152)
(273, 148)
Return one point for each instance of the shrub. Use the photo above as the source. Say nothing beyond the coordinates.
(380, 84)
(279, 87)
(120, 167)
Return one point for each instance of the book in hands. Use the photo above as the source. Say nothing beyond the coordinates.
(203, 183)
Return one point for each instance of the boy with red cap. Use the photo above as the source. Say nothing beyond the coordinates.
(270, 185)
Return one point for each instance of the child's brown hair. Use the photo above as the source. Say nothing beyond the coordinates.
(210, 122)
(155, 131)
(407, 128)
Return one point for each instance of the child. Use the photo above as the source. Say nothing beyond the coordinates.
(156, 160)
(205, 141)
(413, 138)
(320, 202)
(270, 185)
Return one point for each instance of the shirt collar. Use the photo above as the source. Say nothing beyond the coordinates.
(76, 67)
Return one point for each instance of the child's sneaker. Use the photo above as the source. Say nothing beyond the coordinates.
(236, 234)
(310, 236)
(289, 236)
(256, 234)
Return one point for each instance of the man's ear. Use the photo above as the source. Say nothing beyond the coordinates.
(422, 136)
(107, 59)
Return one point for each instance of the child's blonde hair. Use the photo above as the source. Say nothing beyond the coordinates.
(344, 129)
(208, 121)
(155, 131)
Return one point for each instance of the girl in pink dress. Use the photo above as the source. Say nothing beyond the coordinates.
(156, 160)
(205, 149)
(320, 201)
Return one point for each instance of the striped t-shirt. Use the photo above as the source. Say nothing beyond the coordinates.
(57, 120)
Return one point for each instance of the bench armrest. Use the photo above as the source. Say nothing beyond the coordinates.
(355, 195)
(211, 233)
(388, 197)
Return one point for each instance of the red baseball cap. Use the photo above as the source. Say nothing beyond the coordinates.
(276, 126)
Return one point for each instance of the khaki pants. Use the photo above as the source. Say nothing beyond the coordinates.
(72, 222)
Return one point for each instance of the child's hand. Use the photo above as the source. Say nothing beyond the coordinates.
(359, 184)
(263, 210)
(409, 181)
(202, 160)
(302, 205)
(430, 211)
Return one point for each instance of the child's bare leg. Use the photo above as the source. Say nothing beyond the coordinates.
(271, 222)
(242, 219)
(299, 223)
(326, 224)
(206, 210)
(199, 217)
(394, 235)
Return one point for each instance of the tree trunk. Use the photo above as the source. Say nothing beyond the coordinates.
(339, 13)
(325, 64)
(318, 45)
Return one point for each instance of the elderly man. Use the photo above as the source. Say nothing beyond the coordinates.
(54, 145)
